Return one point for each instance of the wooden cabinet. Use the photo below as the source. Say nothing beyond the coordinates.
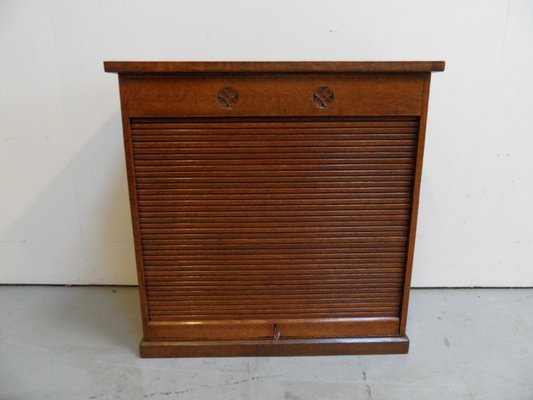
(274, 204)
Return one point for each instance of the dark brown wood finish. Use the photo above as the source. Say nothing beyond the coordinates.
(274, 205)
(274, 67)
(274, 95)
(289, 347)
(414, 208)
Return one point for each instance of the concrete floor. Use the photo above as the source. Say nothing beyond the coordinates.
(81, 343)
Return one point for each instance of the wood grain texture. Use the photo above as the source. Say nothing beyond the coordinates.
(414, 210)
(268, 348)
(132, 190)
(273, 95)
(275, 67)
(280, 254)
(258, 328)
(274, 200)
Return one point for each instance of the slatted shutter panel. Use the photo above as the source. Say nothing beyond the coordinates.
(274, 222)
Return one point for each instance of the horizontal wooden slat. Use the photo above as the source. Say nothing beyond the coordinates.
(361, 294)
(304, 230)
(307, 125)
(271, 156)
(273, 278)
(260, 285)
(228, 304)
(274, 308)
(227, 233)
(332, 311)
(184, 222)
(309, 312)
(279, 157)
(382, 133)
(281, 228)
(361, 184)
(285, 272)
(273, 316)
(370, 242)
(332, 250)
(202, 318)
(314, 331)
(209, 255)
(195, 123)
(265, 309)
(192, 124)
(281, 167)
(245, 293)
(269, 240)
(304, 267)
(215, 141)
(170, 244)
(285, 207)
(302, 260)
(155, 148)
(166, 194)
(155, 181)
(268, 163)
(406, 138)
(267, 202)
(294, 213)
(301, 263)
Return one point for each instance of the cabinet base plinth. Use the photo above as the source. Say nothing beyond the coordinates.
(282, 347)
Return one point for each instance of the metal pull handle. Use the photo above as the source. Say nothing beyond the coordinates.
(277, 332)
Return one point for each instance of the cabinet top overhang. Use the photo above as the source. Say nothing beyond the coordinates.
(268, 67)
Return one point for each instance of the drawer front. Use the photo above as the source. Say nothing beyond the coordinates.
(277, 96)
(247, 225)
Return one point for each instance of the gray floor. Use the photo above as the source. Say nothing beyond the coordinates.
(81, 343)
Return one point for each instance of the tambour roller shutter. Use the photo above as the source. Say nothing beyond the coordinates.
(274, 220)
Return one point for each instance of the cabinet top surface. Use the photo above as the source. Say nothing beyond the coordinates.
(177, 67)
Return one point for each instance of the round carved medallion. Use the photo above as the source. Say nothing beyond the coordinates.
(227, 97)
(323, 97)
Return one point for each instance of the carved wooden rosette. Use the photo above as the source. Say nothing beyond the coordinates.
(228, 97)
(323, 97)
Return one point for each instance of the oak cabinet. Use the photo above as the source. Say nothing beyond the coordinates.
(274, 204)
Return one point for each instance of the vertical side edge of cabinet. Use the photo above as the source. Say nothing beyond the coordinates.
(415, 202)
(132, 189)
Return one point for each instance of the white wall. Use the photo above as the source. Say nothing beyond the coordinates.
(63, 203)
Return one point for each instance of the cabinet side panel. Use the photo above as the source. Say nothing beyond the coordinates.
(415, 202)
(132, 189)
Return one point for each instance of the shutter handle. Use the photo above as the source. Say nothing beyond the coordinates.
(277, 332)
